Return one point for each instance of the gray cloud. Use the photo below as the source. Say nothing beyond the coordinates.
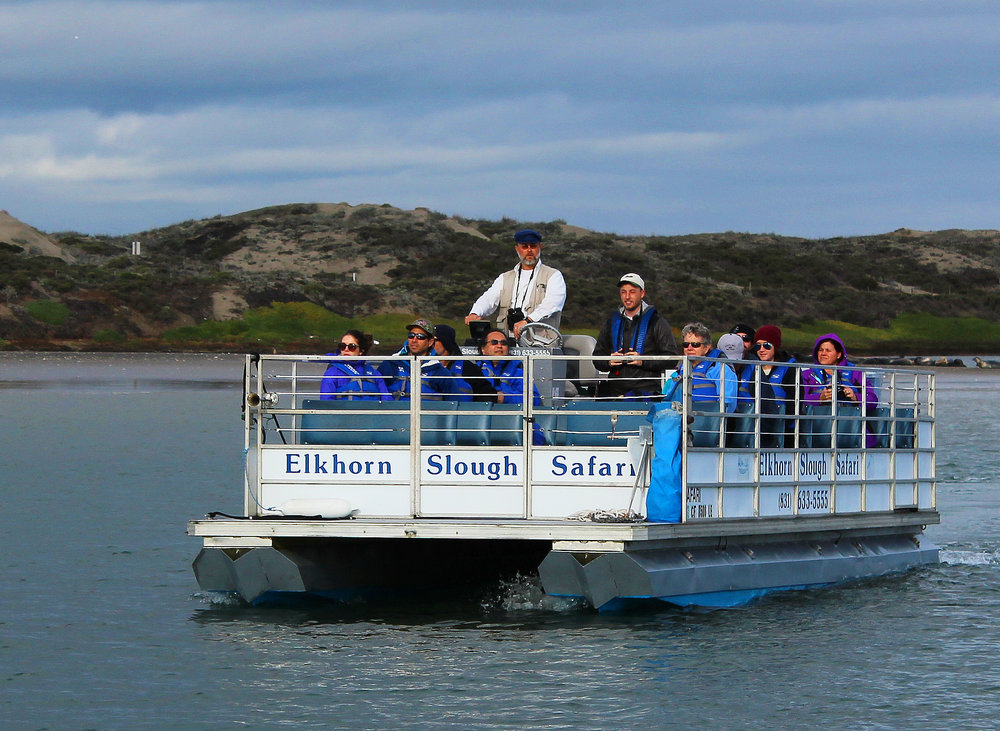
(813, 118)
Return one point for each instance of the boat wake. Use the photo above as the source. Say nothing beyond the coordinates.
(523, 593)
(971, 558)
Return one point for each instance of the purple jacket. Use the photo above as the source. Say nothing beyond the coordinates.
(815, 380)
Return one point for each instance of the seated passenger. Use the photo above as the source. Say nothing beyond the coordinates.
(732, 345)
(435, 379)
(353, 379)
(746, 333)
(467, 382)
(710, 379)
(824, 384)
(635, 329)
(777, 381)
(505, 377)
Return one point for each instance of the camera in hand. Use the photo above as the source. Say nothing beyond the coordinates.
(514, 314)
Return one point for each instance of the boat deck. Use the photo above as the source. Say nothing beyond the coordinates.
(260, 531)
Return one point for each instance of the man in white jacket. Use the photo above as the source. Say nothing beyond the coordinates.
(530, 292)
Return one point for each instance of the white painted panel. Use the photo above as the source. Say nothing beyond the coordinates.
(904, 466)
(879, 466)
(737, 502)
(925, 463)
(906, 494)
(561, 502)
(848, 498)
(737, 467)
(703, 467)
(471, 500)
(877, 497)
(926, 496)
(776, 500)
(368, 500)
(582, 467)
(924, 434)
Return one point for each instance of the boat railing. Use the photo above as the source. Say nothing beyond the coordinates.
(561, 448)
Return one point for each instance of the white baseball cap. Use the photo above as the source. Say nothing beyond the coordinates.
(632, 278)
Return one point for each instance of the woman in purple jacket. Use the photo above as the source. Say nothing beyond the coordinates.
(835, 377)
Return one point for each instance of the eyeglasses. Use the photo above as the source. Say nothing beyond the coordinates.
(746, 338)
(763, 344)
(417, 336)
(347, 346)
(696, 344)
(496, 342)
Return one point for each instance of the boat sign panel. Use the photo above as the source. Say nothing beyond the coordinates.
(335, 465)
(472, 466)
(582, 467)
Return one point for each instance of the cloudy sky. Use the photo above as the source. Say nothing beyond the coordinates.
(805, 117)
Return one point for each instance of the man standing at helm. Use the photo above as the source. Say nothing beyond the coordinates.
(530, 292)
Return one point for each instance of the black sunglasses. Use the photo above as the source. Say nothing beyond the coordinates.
(763, 344)
(746, 338)
(686, 344)
(417, 336)
(496, 342)
(348, 346)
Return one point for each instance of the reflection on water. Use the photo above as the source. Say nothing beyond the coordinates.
(120, 371)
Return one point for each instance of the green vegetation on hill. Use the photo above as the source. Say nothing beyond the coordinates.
(290, 275)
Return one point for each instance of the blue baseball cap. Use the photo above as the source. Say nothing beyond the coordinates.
(527, 236)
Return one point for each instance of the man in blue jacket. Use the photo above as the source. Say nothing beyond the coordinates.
(435, 380)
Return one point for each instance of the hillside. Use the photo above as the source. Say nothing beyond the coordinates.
(75, 290)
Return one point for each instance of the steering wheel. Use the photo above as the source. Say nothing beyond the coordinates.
(539, 335)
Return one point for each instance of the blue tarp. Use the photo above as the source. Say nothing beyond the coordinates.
(663, 500)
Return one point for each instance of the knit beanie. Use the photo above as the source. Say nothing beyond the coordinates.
(770, 333)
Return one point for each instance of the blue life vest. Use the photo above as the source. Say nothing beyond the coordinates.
(703, 388)
(352, 381)
(638, 333)
(775, 379)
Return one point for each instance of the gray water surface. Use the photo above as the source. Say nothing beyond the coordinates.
(102, 624)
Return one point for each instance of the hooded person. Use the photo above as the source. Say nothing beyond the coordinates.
(834, 379)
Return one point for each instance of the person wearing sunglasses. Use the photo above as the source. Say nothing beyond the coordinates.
(506, 377)
(350, 376)
(712, 381)
(777, 385)
(746, 333)
(530, 292)
(634, 330)
(436, 380)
